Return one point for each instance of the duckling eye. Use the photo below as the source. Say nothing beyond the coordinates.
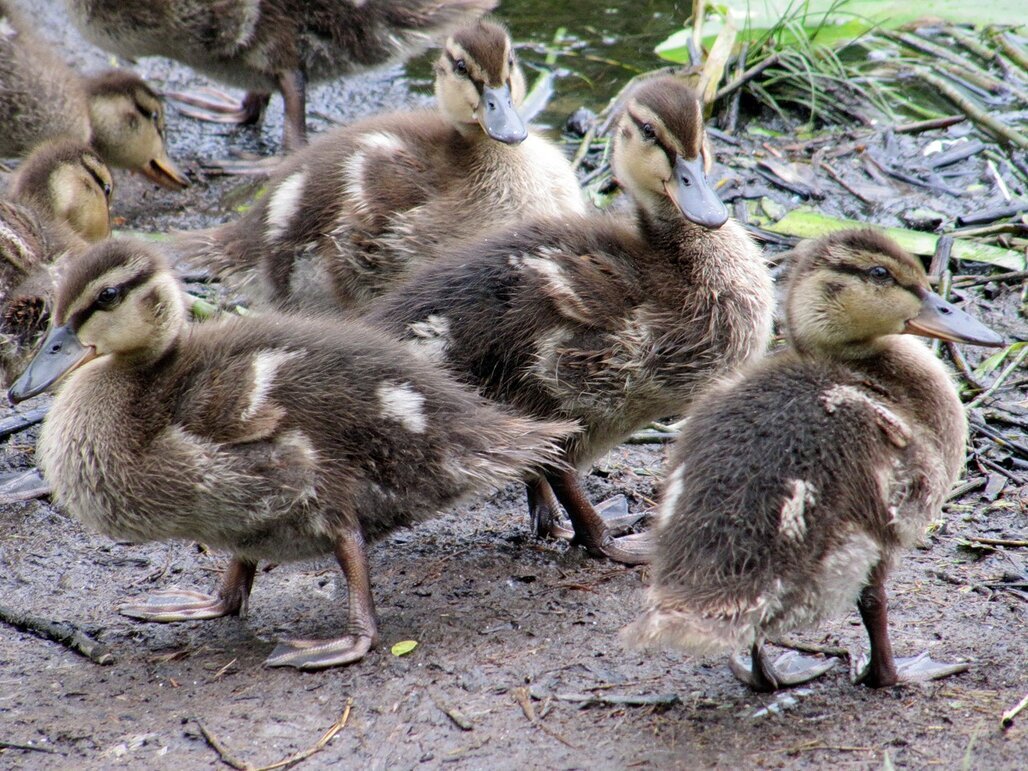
(107, 190)
(879, 274)
(108, 297)
(648, 131)
(461, 67)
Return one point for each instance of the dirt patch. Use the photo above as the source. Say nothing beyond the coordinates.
(518, 663)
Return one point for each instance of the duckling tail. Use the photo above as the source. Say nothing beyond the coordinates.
(510, 448)
(221, 251)
(667, 623)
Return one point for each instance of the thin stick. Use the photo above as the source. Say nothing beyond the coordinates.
(999, 379)
(1014, 275)
(1014, 544)
(335, 728)
(224, 754)
(1008, 717)
(972, 111)
(28, 747)
(21, 421)
(68, 635)
(748, 75)
(965, 488)
(524, 699)
(928, 125)
(1012, 50)
(958, 358)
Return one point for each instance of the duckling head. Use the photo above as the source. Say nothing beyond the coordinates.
(117, 299)
(479, 83)
(661, 153)
(849, 290)
(128, 127)
(67, 181)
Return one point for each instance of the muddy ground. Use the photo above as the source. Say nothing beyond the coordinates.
(513, 633)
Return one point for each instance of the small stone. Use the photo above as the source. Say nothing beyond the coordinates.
(923, 219)
(579, 122)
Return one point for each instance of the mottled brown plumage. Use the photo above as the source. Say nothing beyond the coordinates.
(793, 487)
(611, 321)
(404, 188)
(273, 437)
(273, 45)
(42, 98)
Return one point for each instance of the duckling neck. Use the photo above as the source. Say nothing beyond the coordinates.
(665, 229)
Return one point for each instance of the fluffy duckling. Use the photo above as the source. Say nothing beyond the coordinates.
(272, 46)
(406, 187)
(115, 112)
(28, 244)
(793, 488)
(66, 182)
(273, 437)
(608, 321)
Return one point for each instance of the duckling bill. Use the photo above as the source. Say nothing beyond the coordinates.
(272, 437)
(794, 488)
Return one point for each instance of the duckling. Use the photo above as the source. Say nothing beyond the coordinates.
(269, 46)
(273, 437)
(406, 187)
(794, 487)
(610, 321)
(115, 112)
(66, 182)
(27, 245)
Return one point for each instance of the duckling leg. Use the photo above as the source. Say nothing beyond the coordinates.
(222, 108)
(590, 529)
(182, 605)
(361, 627)
(293, 86)
(545, 511)
(883, 670)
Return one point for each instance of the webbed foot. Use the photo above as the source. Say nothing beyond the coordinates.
(914, 669)
(219, 107)
(319, 654)
(791, 668)
(178, 605)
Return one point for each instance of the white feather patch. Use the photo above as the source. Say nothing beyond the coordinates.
(265, 366)
(792, 523)
(284, 203)
(894, 427)
(672, 492)
(403, 403)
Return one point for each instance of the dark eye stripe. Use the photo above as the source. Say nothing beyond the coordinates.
(671, 154)
(96, 177)
(82, 316)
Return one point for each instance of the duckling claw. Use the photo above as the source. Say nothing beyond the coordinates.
(320, 654)
(913, 669)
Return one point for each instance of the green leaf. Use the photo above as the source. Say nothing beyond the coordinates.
(403, 647)
(993, 362)
(807, 223)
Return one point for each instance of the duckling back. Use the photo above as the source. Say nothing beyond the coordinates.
(249, 44)
(40, 96)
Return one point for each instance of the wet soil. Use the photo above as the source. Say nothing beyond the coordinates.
(518, 663)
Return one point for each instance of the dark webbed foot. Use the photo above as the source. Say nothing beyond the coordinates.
(915, 669)
(219, 107)
(182, 605)
(591, 529)
(361, 625)
(319, 654)
(791, 668)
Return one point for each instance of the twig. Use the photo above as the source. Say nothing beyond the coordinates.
(21, 421)
(621, 700)
(928, 125)
(224, 754)
(999, 379)
(977, 115)
(964, 489)
(965, 369)
(459, 718)
(229, 759)
(28, 747)
(524, 699)
(838, 178)
(1011, 50)
(999, 439)
(983, 461)
(1014, 544)
(68, 635)
(1014, 275)
(583, 148)
(1008, 717)
(749, 75)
